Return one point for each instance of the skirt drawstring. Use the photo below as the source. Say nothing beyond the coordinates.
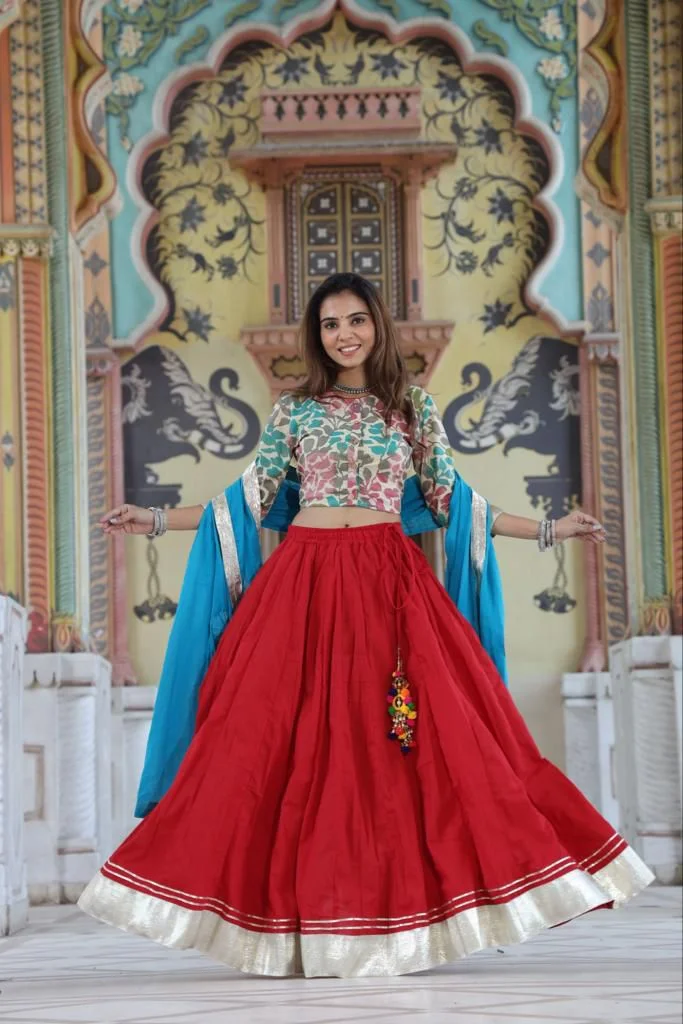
(402, 709)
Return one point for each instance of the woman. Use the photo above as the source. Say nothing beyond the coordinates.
(283, 832)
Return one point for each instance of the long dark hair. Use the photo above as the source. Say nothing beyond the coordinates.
(386, 369)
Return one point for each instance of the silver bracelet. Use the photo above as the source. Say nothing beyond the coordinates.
(546, 534)
(160, 522)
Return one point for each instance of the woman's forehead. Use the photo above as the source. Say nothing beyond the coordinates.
(343, 304)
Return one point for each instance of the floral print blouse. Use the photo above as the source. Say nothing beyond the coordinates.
(347, 455)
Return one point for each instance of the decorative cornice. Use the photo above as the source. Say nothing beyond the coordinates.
(275, 347)
(656, 616)
(415, 161)
(30, 241)
(666, 215)
(100, 361)
(602, 348)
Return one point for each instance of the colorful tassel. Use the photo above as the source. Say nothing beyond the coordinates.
(401, 709)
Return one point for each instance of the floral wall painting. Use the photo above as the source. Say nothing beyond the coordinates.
(148, 44)
(248, 145)
(133, 33)
(495, 83)
(551, 27)
(208, 225)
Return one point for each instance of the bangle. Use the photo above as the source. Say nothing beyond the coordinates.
(160, 522)
(546, 534)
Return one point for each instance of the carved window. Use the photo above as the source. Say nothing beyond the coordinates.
(339, 220)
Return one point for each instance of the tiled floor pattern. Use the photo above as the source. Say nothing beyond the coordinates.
(607, 968)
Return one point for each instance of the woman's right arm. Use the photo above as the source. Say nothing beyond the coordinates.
(272, 461)
(133, 519)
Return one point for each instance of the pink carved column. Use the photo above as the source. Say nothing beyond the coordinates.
(593, 658)
(603, 496)
(122, 670)
(277, 256)
(413, 242)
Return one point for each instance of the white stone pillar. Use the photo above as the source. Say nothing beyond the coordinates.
(589, 739)
(132, 708)
(646, 685)
(67, 726)
(13, 892)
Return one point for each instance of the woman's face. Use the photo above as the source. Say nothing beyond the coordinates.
(347, 330)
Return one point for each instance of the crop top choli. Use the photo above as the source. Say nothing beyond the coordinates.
(347, 455)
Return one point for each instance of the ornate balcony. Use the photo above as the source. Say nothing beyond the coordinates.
(391, 110)
(275, 349)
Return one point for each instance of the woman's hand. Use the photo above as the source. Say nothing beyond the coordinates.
(128, 519)
(581, 525)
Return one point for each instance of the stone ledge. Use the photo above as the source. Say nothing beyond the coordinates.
(275, 347)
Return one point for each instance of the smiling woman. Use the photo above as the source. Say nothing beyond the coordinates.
(310, 866)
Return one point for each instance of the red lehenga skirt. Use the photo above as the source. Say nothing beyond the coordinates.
(298, 838)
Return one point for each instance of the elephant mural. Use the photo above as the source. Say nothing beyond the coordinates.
(166, 413)
(535, 405)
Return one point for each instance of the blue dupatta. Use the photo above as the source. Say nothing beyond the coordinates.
(225, 557)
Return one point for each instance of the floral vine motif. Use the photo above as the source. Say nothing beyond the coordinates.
(500, 175)
(489, 39)
(551, 26)
(241, 11)
(198, 219)
(133, 32)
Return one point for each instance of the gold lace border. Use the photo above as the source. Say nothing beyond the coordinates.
(494, 894)
(384, 951)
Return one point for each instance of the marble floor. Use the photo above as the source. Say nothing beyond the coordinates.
(608, 968)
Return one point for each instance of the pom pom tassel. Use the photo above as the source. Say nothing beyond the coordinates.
(401, 709)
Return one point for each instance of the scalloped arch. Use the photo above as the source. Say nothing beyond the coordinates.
(92, 178)
(397, 33)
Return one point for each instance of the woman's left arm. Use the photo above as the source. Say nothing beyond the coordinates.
(576, 524)
(435, 468)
